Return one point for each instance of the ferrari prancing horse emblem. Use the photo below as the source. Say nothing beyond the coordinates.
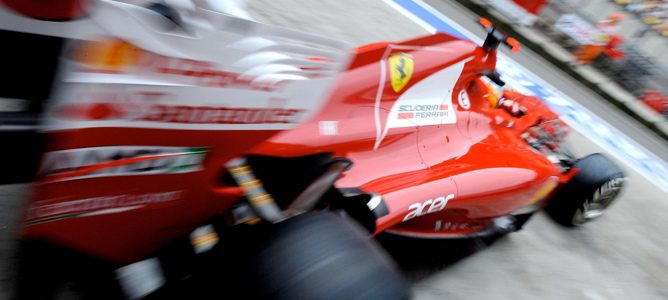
(401, 70)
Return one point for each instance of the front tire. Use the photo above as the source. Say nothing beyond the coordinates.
(589, 193)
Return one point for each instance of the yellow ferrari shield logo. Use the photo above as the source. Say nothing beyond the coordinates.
(401, 70)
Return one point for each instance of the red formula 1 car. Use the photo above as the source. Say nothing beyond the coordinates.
(451, 156)
(188, 150)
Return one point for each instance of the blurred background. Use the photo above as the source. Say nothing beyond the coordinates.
(637, 30)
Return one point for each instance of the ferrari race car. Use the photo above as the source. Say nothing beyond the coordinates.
(191, 154)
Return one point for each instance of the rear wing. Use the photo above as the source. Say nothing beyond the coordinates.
(206, 59)
(128, 70)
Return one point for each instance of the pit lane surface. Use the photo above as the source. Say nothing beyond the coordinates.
(621, 256)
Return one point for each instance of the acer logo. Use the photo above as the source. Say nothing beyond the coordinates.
(427, 207)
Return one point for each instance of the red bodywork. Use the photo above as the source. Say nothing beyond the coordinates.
(451, 178)
(481, 160)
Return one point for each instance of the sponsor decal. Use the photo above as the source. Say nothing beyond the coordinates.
(201, 72)
(186, 114)
(219, 115)
(41, 212)
(442, 225)
(145, 107)
(464, 100)
(116, 56)
(94, 162)
(423, 111)
(401, 70)
(427, 102)
(328, 127)
(427, 207)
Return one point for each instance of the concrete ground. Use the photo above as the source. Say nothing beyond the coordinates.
(620, 256)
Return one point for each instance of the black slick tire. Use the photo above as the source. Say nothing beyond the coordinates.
(588, 193)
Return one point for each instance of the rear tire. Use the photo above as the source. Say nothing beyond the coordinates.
(321, 256)
(589, 193)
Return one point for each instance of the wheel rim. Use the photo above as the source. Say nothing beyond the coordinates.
(595, 206)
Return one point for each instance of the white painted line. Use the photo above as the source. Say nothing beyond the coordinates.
(411, 16)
